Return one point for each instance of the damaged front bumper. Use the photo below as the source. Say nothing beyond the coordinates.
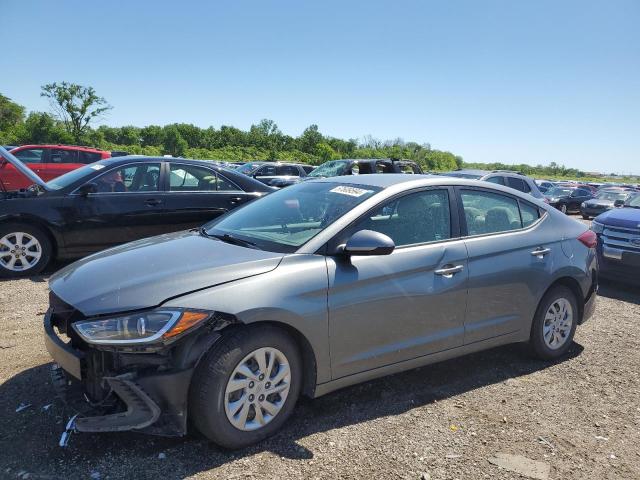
(114, 391)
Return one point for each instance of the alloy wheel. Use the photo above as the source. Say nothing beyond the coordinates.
(19, 251)
(558, 322)
(563, 208)
(257, 389)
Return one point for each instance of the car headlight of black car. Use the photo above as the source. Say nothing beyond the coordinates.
(152, 326)
(597, 227)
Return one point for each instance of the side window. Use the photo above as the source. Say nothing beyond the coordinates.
(89, 157)
(529, 213)
(266, 171)
(189, 178)
(287, 170)
(31, 155)
(307, 168)
(407, 168)
(63, 156)
(496, 179)
(415, 218)
(225, 185)
(143, 177)
(489, 212)
(518, 184)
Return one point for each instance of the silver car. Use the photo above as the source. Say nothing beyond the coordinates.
(312, 288)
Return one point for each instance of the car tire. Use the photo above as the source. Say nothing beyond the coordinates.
(563, 208)
(34, 247)
(585, 217)
(213, 400)
(552, 332)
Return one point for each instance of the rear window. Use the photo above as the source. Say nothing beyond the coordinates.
(89, 157)
(519, 184)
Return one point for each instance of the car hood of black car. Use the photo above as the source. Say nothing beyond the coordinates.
(145, 273)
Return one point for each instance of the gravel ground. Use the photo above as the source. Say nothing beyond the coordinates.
(579, 417)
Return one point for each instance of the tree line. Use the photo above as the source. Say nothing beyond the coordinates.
(75, 108)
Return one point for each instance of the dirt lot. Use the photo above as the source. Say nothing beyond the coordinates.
(580, 417)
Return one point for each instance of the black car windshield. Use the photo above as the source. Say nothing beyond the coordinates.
(285, 220)
(334, 168)
(613, 196)
(558, 192)
(63, 181)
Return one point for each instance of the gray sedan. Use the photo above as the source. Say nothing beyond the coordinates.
(312, 288)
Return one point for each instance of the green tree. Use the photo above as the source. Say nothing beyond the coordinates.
(76, 106)
(310, 139)
(43, 128)
(173, 142)
(11, 114)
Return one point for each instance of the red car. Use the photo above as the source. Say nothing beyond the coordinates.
(48, 161)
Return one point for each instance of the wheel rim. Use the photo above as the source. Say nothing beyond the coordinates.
(257, 389)
(558, 322)
(563, 208)
(19, 251)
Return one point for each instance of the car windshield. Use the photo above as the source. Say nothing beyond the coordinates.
(334, 168)
(558, 192)
(633, 201)
(613, 196)
(285, 220)
(63, 181)
(248, 168)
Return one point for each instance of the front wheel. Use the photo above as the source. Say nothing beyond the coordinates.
(24, 250)
(554, 324)
(563, 208)
(246, 387)
(585, 217)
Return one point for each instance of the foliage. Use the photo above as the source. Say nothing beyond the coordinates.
(76, 106)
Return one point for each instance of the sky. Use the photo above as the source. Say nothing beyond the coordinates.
(493, 81)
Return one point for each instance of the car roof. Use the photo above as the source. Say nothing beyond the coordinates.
(66, 147)
(382, 180)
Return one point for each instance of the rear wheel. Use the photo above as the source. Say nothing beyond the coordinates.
(563, 208)
(24, 250)
(554, 324)
(585, 217)
(246, 387)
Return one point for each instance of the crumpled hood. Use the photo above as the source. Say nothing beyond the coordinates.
(620, 217)
(147, 272)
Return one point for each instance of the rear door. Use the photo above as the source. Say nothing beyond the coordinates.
(577, 197)
(510, 260)
(130, 204)
(388, 309)
(58, 162)
(198, 194)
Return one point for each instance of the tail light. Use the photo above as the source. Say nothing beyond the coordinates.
(589, 239)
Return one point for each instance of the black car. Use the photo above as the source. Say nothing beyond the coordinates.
(355, 166)
(110, 202)
(605, 199)
(567, 199)
(270, 173)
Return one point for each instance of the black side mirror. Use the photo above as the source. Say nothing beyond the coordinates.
(88, 188)
(368, 242)
(618, 203)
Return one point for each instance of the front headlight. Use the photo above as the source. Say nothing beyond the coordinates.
(597, 227)
(144, 327)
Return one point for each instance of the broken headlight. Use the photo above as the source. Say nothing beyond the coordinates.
(143, 327)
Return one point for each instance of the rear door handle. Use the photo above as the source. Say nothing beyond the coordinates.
(540, 252)
(449, 271)
(152, 202)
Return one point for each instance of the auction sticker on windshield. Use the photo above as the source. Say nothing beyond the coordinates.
(97, 167)
(351, 191)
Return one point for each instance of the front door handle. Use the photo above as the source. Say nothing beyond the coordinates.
(153, 202)
(234, 200)
(449, 271)
(540, 252)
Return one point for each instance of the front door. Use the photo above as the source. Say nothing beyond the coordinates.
(387, 309)
(128, 205)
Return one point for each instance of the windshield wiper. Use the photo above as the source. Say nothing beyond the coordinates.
(228, 238)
